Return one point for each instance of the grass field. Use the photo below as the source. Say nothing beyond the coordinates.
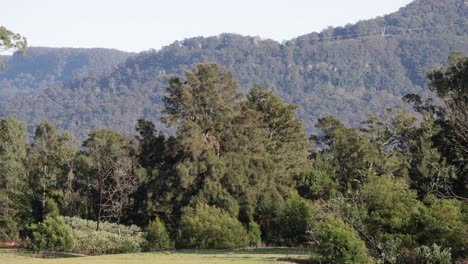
(259, 256)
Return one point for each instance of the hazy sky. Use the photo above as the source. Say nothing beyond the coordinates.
(137, 25)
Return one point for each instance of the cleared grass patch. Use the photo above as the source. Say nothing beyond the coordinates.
(263, 255)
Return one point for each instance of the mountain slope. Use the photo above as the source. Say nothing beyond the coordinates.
(45, 67)
(348, 71)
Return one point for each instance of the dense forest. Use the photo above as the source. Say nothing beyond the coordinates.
(26, 74)
(351, 142)
(348, 72)
(239, 171)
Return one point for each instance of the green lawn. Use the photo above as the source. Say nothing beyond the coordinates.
(270, 255)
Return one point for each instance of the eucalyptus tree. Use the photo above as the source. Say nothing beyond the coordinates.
(112, 173)
(229, 150)
(10, 40)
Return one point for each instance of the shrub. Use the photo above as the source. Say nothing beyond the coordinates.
(339, 243)
(441, 222)
(254, 233)
(270, 203)
(433, 255)
(390, 205)
(296, 218)
(8, 228)
(110, 239)
(157, 237)
(207, 227)
(51, 234)
(318, 185)
(391, 251)
(51, 208)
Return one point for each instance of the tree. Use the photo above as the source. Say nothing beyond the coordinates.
(113, 174)
(451, 85)
(13, 149)
(226, 151)
(441, 222)
(206, 108)
(287, 141)
(390, 206)
(450, 121)
(10, 40)
(351, 156)
(430, 171)
(208, 98)
(50, 165)
(153, 196)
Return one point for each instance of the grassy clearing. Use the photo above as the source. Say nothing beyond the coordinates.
(258, 256)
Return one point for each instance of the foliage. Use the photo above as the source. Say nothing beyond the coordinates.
(13, 154)
(390, 204)
(51, 209)
(53, 234)
(451, 84)
(207, 227)
(340, 243)
(44, 68)
(391, 251)
(8, 228)
(114, 169)
(225, 149)
(110, 239)
(441, 222)
(269, 206)
(317, 184)
(347, 72)
(11, 40)
(157, 237)
(229, 174)
(254, 233)
(433, 255)
(296, 218)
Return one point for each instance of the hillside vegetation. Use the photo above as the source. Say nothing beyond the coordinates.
(348, 71)
(41, 68)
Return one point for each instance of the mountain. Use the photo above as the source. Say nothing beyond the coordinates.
(43, 67)
(348, 71)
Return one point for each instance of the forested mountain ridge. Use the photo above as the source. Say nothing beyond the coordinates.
(347, 71)
(44, 67)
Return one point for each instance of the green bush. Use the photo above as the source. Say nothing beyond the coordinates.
(296, 218)
(110, 239)
(51, 208)
(157, 237)
(207, 227)
(254, 233)
(433, 255)
(52, 234)
(441, 222)
(390, 205)
(339, 243)
(8, 228)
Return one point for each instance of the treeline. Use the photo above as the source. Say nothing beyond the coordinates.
(240, 171)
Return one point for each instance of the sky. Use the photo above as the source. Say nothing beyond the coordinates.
(138, 25)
